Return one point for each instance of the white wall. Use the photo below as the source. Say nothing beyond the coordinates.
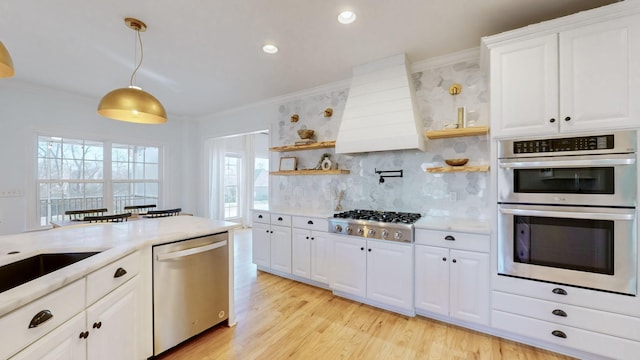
(27, 111)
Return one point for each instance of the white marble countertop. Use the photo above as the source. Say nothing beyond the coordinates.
(113, 239)
(299, 212)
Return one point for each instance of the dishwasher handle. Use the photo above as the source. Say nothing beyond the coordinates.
(192, 251)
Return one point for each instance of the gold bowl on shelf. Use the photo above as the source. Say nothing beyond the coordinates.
(456, 162)
(305, 133)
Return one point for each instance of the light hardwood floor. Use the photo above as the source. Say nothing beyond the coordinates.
(284, 319)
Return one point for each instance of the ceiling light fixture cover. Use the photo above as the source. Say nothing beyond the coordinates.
(6, 64)
(346, 17)
(133, 104)
(270, 49)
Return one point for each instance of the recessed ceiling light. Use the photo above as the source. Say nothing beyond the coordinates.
(270, 49)
(346, 17)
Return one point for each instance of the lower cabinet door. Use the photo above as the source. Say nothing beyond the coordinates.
(63, 343)
(281, 248)
(349, 266)
(301, 253)
(320, 256)
(432, 279)
(390, 273)
(113, 322)
(469, 286)
(261, 245)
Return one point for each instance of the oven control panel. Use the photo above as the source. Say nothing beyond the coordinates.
(601, 142)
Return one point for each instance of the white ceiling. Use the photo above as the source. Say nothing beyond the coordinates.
(204, 56)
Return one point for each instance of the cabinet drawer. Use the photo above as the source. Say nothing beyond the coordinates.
(603, 322)
(310, 223)
(279, 219)
(583, 340)
(453, 240)
(261, 217)
(600, 300)
(103, 281)
(63, 304)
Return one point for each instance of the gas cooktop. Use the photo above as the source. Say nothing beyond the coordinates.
(381, 225)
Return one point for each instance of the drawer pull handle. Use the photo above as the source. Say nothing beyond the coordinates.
(309, 222)
(559, 291)
(84, 335)
(120, 273)
(450, 238)
(259, 216)
(558, 312)
(280, 219)
(40, 318)
(97, 325)
(559, 334)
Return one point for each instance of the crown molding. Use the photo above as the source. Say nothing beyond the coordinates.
(446, 60)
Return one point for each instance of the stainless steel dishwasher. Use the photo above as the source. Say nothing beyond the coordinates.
(190, 288)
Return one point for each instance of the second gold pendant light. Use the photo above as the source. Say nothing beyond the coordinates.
(133, 104)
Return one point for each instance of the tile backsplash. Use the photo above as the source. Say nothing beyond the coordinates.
(457, 194)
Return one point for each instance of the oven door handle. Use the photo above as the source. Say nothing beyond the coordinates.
(544, 164)
(568, 214)
(192, 251)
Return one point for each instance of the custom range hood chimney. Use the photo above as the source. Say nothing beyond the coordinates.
(381, 112)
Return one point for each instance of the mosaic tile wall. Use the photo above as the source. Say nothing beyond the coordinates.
(462, 195)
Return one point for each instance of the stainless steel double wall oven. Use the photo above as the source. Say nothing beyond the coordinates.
(567, 210)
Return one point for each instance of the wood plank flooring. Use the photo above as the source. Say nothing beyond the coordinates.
(285, 319)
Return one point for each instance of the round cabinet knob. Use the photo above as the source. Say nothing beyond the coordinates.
(444, 259)
(568, 118)
(362, 248)
(552, 120)
(385, 234)
(339, 228)
(349, 230)
(360, 231)
(397, 235)
(372, 232)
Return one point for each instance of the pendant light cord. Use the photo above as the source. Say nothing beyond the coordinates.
(140, 62)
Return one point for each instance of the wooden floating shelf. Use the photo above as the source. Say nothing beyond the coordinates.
(458, 169)
(450, 133)
(312, 146)
(310, 172)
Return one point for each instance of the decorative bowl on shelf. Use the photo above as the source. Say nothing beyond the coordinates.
(305, 133)
(456, 162)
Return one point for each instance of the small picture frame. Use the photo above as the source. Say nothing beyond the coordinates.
(287, 163)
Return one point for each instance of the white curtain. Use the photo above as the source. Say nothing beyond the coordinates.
(215, 151)
(247, 179)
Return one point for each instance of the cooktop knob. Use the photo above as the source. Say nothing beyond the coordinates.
(339, 228)
(360, 231)
(348, 230)
(397, 235)
(372, 232)
(385, 233)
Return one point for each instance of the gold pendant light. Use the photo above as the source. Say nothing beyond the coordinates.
(132, 104)
(6, 64)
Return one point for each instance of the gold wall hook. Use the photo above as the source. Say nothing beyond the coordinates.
(455, 89)
(295, 118)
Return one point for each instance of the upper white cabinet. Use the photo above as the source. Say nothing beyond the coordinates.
(578, 79)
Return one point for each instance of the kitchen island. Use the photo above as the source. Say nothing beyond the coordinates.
(113, 242)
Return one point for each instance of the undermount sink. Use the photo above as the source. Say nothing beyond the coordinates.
(23, 271)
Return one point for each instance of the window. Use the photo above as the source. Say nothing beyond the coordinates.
(232, 166)
(73, 174)
(261, 183)
(134, 171)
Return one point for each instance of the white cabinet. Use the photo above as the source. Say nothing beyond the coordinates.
(110, 328)
(451, 281)
(112, 325)
(310, 248)
(585, 78)
(271, 241)
(309, 255)
(380, 271)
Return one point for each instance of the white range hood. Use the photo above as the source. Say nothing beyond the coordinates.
(381, 112)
